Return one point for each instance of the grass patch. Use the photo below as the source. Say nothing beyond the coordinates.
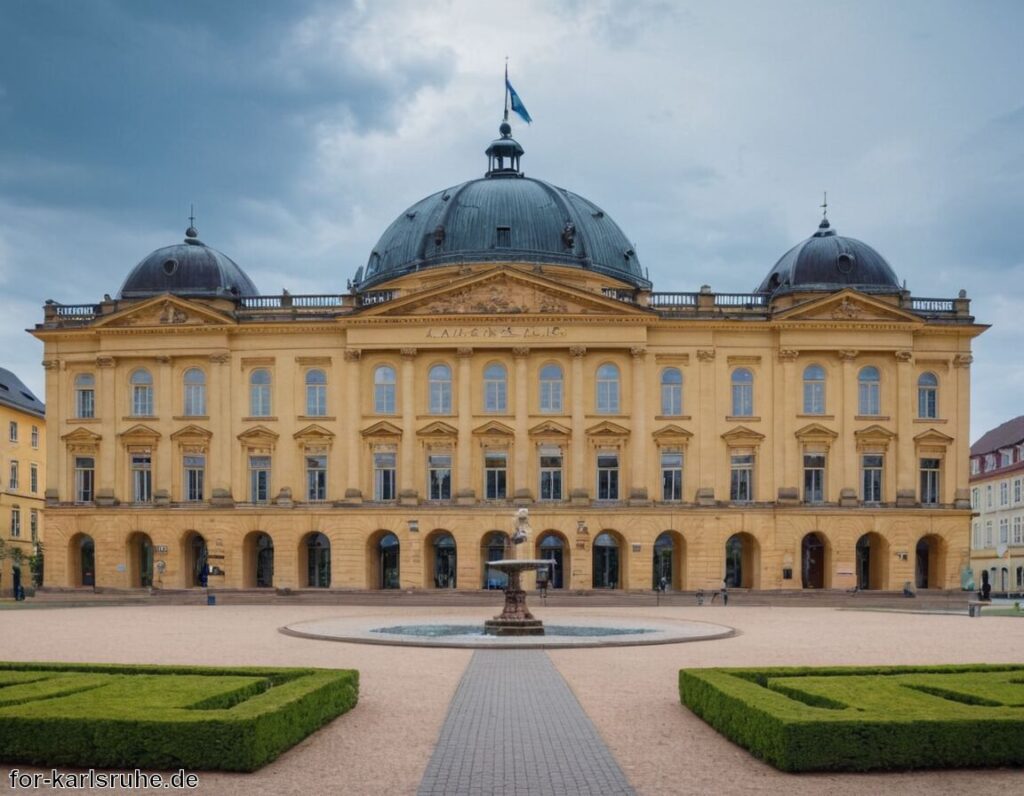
(163, 717)
(866, 718)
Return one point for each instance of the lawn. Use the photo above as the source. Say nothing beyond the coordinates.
(163, 717)
(864, 718)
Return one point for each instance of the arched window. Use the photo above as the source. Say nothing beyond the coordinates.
(814, 390)
(195, 392)
(495, 388)
(316, 393)
(551, 388)
(869, 401)
(608, 389)
(440, 381)
(671, 392)
(384, 390)
(742, 393)
(85, 395)
(927, 396)
(259, 393)
(142, 393)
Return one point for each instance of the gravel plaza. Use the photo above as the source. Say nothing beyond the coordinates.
(627, 719)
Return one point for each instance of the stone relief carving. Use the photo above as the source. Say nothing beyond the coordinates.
(847, 309)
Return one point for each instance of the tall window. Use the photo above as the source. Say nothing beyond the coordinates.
(85, 395)
(1006, 457)
(671, 392)
(35, 436)
(384, 402)
(989, 540)
(871, 477)
(195, 392)
(15, 475)
(741, 481)
(33, 524)
(384, 475)
(142, 477)
(608, 389)
(440, 383)
(671, 475)
(1004, 493)
(742, 393)
(495, 388)
(869, 401)
(142, 393)
(85, 478)
(930, 480)
(194, 476)
(976, 536)
(316, 393)
(814, 390)
(12, 430)
(814, 477)
(1004, 530)
(927, 395)
(259, 479)
(551, 388)
(975, 498)
(1018, 534)
(316, 478)
(988, 496)
(550, 473)
(259, 393)
(495, 475)
(15, 521)
(607, 476)
(439, 476)
(33, 477)
(1016, 490)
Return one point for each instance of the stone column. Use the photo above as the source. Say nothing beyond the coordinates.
(638, 441)
(787, 472)
(847, 410)
(168, 393)
(521, 446)
(958, 462)
(578, 450)
(906, 465)
(221, 450)
(463, 487)
(56, 470)
(107, 408)
(407, 490)
(709, 441)
(351, 418)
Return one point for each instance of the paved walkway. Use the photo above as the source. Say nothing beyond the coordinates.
(515, 727)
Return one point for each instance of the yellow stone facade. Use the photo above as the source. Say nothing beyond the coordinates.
(523, 318)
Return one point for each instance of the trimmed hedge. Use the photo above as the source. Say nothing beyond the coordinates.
(163, 717)
(866, 718)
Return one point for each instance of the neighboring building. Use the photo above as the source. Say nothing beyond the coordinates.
(997, 496)
(22, 477)
(501, 348)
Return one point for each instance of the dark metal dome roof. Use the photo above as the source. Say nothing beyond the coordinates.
(826, 261)
(503, 217)
(187, 269)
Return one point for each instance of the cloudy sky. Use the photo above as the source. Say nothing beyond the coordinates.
(707, 130)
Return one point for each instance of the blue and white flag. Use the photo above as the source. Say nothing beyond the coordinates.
(517, 104)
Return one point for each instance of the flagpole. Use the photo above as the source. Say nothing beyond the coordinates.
(506, 88)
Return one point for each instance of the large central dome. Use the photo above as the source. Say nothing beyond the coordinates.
(503, 217)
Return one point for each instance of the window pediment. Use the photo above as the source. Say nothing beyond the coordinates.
(493, 429)
(191, 433)
(82, 436)
(815, 432)
(672, 435)
(741, 435)
(874, 436)
(607, 430)
(549, 428)
(140, 434)
(438, 429)
(931, 439)
(314, 433)
(259, 436)
(382, 429)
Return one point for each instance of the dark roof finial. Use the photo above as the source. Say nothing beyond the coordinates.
(824, 213)
(191, 232)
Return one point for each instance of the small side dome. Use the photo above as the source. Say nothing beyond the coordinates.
(189, 269)
(828, 261)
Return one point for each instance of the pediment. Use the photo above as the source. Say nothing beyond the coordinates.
(815, 431)
(874, 432)
(549, 428)
(140, 433)
(82, 436)
(847, 305)
(607, 429)
(382, 428)
(191, 432)
(259, 435)
(671, 433)
(313, 433)
(505, 291)
(438, 429)
(493, 429)
(932, 437)
(742, 435)
(165, 310)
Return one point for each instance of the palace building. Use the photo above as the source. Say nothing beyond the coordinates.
(503, 348)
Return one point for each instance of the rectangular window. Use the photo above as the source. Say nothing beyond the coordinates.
(988, 496)
(439, 476)
(672, 476)
(33, 524)
(869, 398)
(550, 394)
(13, 430)
(384, 399)
(33, 478)
(741, 481)
(814, 397)
(975, 466)
(930, 481)
(1004, 494)
(871, 478)
(495, 475)
(495, 394)
(316, 478)
(195, 475)
(15, 521)
(976, 536)
(989, 541)
(259, 479)
(35, 436)
(607, 395)
(607, 476)
(814, 477)
(975, 498)
(14, 475)
(1016, 490)
(1005, 457)
(1004, 531)
(743, 400)
(195, 399)
(142, 477)
(440, 397)
(384, 475)
(503, 237)
(142, 400)
(550, 474)
(85, 478)
(1017, 538)
(316, 400)
(85, 403)
(990, 461)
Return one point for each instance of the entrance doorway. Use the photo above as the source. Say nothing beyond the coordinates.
(264, 561)
(196, 558)
(872, 562)
(445, 561)
(318, 561)
(668, 561)
(741, 561)
(494, 547)
(552, 548)
(140, 561)
(812, 558)
(388, 550)
(606, 562)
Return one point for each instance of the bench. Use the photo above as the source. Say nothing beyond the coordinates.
(974, 607)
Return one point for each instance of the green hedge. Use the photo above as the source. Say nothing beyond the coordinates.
(865, 718)
(163, 717)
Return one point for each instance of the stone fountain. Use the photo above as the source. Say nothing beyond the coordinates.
(516, 619)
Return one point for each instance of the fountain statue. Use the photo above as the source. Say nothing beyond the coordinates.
(516, 619)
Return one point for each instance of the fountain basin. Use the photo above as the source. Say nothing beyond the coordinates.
(515, 619)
